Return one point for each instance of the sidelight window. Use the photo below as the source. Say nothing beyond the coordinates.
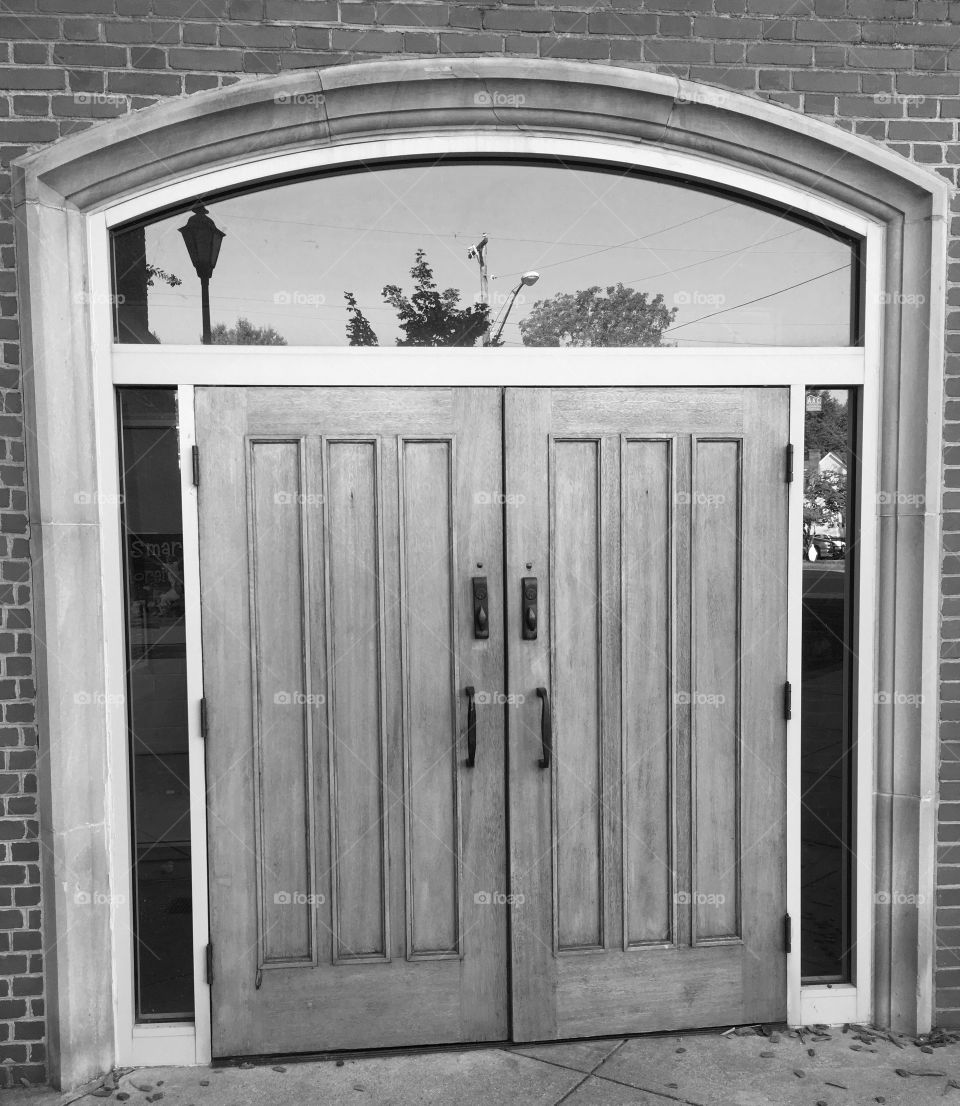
(157, 703)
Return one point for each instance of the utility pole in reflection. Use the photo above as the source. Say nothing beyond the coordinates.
(479, 251)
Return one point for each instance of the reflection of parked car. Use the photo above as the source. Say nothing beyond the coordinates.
(820, 546)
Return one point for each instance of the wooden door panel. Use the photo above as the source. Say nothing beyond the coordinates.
(352, 854)
(428, 598)
(284, 755)
(647, 621)
(659, 519)
(575, 585)
(714, 692)
(357, 693)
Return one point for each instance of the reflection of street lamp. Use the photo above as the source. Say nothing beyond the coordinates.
(203, 237)
(526, 281)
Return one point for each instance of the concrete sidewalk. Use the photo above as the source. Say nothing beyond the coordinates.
(745, 1067)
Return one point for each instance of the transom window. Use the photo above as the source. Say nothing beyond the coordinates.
(485, 253)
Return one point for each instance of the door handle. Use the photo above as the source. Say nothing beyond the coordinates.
(471, 727)
(546, 728)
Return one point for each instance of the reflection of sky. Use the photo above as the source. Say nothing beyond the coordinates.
(292, 251)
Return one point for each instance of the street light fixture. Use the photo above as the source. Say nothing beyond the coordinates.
(202, 237)
(526, 281)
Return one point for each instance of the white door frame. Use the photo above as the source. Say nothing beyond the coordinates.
(188, 366)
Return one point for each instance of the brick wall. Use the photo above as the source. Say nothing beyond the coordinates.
(887, 69)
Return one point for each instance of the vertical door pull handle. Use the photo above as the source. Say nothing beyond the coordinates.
(546, 727)
(471, 727)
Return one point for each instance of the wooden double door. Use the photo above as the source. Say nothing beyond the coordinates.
(590, 841)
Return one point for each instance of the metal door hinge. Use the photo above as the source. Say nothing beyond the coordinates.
(790, 463)
(196, 466)
(788, 700)
(210, 962)
(203, 718)
(787, 933)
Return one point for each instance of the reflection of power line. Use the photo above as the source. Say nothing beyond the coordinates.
(187, 302)
(461, 235)
(623, 245)
(757, 299)
(709, 260)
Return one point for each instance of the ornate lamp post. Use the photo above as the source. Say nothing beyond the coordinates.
(203, 237)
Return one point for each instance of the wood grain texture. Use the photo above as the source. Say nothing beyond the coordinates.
(647, 622)
(366, 984)
(714, 695)
(283, 738)
(692, 947)
(430, 700)
(358, 799)
(576, 629)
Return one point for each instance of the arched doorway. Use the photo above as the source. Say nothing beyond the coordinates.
(564, 111)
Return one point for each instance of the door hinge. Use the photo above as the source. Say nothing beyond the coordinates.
(210, 962)
(788, 700)
(790, 463)
(196, 466)
(203, 717)
(787, 933)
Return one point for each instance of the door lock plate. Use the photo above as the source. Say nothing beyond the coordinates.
(481, 613)
(528, 608)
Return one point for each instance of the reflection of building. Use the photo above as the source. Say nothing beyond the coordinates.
(831, 462)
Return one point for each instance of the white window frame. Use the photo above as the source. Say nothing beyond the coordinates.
(189, 366)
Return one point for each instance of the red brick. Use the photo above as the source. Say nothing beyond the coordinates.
(216, 60)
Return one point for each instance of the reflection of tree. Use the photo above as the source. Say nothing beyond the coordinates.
(359, 330)
(428, 317)
(825, 490)
(824, 499)
(825, 431)
(620, 316)
(155, 273)
(244, 333)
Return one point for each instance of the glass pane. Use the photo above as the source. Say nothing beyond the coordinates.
(501, 253)
(157, 702)
(828, 671)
